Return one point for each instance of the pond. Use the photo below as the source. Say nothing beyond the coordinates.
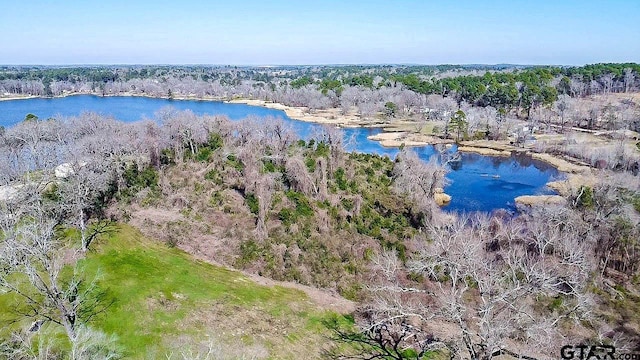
(477, 183)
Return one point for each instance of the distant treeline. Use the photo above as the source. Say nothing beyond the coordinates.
(528, 87)
(317, 87)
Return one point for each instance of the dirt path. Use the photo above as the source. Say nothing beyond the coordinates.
(324, 299)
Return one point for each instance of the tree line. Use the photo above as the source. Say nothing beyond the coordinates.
(475, 286)
(321, 87)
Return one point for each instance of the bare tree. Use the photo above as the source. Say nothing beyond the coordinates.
(481, 279)
(264, 193)
(577, 87)
(334, 138)
(80, 195)
(388, 338)
(92, 344)
(629, 79)
(26, 345)
(418, 180)
(31, 261)
(298, 175)
(607, 83)
(563, 106)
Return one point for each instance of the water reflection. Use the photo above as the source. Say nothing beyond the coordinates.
(477, 182)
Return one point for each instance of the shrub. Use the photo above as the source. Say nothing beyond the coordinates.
(322, 149)
(351, 292)
(167, 157)
(303, 207)
(235, 162)
(51, 193)
(276, 200)
(269, 167)
(216, 199)
(341, 181)
(136, 180)
(215, 176)
(311, 164)
(480, 135)
(585, 197)
(636, 202)
(252, 202)
(286, 216)
(249, 252)
(353, 186)
(347, 204)
(215, 141)
(204, 154)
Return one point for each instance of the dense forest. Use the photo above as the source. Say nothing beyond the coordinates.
(250, 195)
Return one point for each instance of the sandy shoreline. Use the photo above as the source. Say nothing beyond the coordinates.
(400, 138)
(328, 116)
(16, 97)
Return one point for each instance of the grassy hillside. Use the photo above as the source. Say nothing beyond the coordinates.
(165, 302)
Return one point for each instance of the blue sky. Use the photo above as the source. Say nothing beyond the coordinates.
(254, 32)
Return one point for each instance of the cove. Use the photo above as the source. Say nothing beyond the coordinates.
(478, 183)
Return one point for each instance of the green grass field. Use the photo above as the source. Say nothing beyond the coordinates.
(165, 301)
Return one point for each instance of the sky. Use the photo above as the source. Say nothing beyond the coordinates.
(282, 32)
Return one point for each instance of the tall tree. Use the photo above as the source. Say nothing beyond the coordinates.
(458, 124)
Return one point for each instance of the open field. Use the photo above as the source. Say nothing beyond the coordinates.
(164, 301)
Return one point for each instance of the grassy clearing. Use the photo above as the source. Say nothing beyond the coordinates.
(165, 301)
(164, 294)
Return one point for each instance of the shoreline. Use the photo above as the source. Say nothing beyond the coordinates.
(16, 97)
(328, 116)
(392, 139)
(124, 94)
(386, 138)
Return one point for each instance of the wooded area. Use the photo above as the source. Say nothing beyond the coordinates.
(250, 195)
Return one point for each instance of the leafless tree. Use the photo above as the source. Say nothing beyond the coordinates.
(387, 338)
(577, 87)
(629, 79)
(80, 194)
(563, 106)
(26, 345)
(482, 276)
(264, 194)
(607, 83)
(31, 261)
(418, 180)
(334, 138)
(299, 177)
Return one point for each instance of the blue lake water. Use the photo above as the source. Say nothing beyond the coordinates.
(481, 183)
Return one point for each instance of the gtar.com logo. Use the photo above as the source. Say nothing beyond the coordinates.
(594, 352)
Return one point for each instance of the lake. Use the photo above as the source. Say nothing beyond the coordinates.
(480, 183)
